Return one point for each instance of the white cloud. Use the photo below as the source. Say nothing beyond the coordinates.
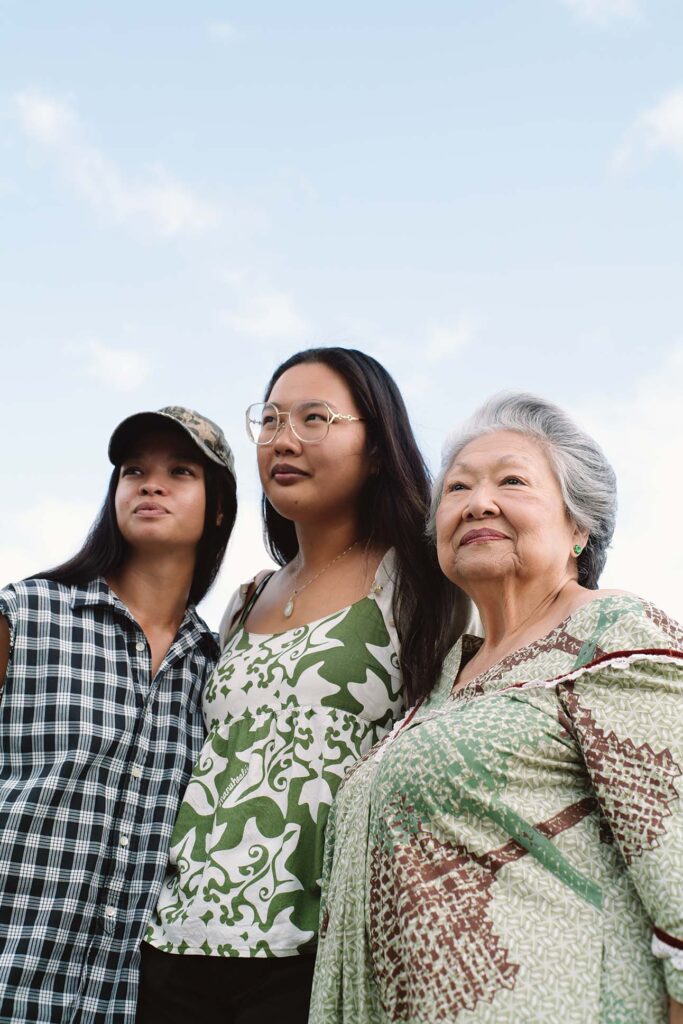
(660, 128)
(643, 438)
(222, 30)
(267, 316)
(235, 277)
(122, 369)
(601, 12)
(43, 535)
(159, 201)
(45, 119)
(448, 341)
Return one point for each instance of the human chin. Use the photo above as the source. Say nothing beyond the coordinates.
(478, 562)
(284, 500)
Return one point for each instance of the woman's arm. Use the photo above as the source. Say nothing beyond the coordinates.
(626, 718)
(4, 648)
(675, 1012)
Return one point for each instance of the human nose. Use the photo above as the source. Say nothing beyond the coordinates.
(481, 503)
(285, 439)
(151, 484)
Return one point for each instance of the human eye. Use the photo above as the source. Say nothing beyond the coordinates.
(183, 469)
(311, 420)
(130, 470)
(453, 486)
(313, 412)
(513, 480)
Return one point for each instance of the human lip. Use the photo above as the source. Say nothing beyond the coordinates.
(285, 473)
(149, 509)
(480, 536)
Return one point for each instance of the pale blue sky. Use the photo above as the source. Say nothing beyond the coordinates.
(483, 195)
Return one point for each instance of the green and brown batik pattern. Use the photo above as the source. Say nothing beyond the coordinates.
(522, 838)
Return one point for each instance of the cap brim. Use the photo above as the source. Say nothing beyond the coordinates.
(140, 422)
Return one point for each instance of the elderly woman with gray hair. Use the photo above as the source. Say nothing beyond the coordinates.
(513, 851)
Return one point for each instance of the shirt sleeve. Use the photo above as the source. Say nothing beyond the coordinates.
(8, 609)
(627, 717)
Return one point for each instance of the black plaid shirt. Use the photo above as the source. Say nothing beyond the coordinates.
(94, 758)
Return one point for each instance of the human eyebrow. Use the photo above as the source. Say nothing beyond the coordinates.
(515, 460)
(501, 462)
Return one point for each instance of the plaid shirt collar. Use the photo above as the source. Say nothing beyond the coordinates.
(193, 628)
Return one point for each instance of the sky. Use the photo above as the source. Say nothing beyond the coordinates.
(481, 195)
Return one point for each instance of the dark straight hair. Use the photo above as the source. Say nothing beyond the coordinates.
(430, 612)
(105, 550)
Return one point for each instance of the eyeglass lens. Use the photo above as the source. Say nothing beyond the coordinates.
(310, 421)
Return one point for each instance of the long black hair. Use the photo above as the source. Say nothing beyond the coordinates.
(104, 550)
(429, 611)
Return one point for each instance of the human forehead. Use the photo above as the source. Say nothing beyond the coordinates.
(165, 442)
(312, 380)
(501, 449)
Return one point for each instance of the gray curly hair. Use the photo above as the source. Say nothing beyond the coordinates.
(586, 478)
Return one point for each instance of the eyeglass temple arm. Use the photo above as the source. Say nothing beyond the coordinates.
(344, 416)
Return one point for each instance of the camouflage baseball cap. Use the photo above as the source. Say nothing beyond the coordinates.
(206, 434)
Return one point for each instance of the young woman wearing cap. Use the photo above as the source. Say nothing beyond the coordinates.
(103, 661)
(317, 662)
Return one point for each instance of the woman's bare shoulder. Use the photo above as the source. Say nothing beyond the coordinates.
(238, 602)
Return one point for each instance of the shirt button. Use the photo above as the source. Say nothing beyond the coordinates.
(140, 646)
(136, 772)
(123, 841)
(109, 912)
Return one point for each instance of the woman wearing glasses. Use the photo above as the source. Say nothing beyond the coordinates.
(318, 660)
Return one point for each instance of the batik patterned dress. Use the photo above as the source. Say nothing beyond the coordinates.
(287, 715)
(514, 853)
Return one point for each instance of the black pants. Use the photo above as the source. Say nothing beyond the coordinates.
(177, 989)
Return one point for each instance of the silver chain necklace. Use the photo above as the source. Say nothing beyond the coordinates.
(289, 607)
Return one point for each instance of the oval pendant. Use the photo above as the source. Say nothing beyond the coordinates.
(288, 608)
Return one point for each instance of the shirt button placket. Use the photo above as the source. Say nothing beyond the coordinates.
(109, 918)
(117, 881)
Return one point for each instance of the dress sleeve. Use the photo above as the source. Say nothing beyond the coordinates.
(627, 718)
(382, 590)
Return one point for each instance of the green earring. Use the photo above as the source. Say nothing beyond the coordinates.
(577, 549)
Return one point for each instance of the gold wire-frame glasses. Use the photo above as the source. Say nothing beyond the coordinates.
(309, 421)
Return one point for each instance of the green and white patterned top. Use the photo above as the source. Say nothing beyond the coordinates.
(514, 852)
(287, 715)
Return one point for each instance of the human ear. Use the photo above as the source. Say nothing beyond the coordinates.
(579, 541)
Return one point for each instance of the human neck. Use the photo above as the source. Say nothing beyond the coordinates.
(155, 590)
(513, 611)
(319, 545)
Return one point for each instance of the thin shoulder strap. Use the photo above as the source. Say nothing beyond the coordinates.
(253, 599)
